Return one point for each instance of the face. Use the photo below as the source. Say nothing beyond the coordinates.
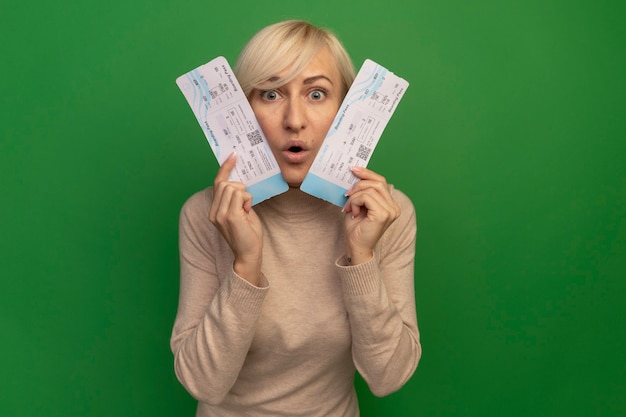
(296, 116)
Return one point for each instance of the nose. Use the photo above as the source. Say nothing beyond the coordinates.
(295, 115)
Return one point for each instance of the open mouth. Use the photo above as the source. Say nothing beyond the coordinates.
(295, 153)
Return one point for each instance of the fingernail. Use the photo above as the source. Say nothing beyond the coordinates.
(356, 168)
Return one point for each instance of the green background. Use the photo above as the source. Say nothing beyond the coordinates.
(511, 142)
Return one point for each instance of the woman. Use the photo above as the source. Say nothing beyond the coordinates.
(280, 303)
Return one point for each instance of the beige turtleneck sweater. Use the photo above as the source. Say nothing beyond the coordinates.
(290, 347)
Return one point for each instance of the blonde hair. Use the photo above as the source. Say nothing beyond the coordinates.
(288, 46)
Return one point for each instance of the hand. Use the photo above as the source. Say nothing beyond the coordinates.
(369, 211)
(231, 212)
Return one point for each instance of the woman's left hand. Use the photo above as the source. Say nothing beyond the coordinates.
(369, 211)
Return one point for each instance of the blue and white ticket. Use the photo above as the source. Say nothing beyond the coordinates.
(363, 114)
(229, 124)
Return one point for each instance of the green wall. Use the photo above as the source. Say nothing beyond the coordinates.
(511, 141)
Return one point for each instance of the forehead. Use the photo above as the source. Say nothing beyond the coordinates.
(323, 61)
(322, 64)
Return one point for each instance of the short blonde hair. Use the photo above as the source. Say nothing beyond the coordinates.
(288, 46)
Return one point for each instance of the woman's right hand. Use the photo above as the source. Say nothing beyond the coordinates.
(231, 212)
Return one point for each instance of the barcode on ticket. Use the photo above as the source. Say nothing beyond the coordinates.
(254, 137)
(363, 152)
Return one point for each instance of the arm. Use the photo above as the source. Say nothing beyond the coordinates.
(379, 297)
(218, 309)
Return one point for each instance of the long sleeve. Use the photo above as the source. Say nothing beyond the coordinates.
(292, 349)
(379, 297)
(217, 310)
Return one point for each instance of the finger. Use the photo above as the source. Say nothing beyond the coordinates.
(381, 204)
(240, 200)
(231, 200)
(365, 200)
(223, 201)
(365, 185)
(227, 166)
(223, 193)
(366, 174)
(238, 197)
(247, 203)
(367, 179)
(220, 195)
(369, 192)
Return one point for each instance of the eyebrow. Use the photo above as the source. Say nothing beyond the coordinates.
(309, 80)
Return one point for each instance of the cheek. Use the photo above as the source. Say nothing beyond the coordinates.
(327, 118)
(267, 122)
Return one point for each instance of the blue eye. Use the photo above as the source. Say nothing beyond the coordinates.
(270, 95)
(317, 95)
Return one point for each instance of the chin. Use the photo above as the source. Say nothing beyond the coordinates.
(295, 179)
(294, 183)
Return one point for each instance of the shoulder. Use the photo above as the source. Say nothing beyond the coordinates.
(199, 200)
(197, 206)
(398, 242)
(406, 205)
(406, 223)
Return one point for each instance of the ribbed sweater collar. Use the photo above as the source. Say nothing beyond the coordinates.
(295, 204)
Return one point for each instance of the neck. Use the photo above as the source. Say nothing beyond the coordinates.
(296, 202)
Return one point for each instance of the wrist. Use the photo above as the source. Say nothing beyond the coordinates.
(358, 257)
(248, 270)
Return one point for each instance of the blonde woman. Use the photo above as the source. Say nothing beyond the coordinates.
(281, 303)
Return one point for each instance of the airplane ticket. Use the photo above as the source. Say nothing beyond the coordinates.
(354, 133)
(229, 124)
